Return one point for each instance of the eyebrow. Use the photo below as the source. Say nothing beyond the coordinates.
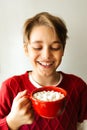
(39, 41)
(56, 42)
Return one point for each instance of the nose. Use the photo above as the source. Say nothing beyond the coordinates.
(46, 53)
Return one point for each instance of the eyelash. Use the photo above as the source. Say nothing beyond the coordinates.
(36, 48)
(55, 49)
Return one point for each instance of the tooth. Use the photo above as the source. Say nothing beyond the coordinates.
(46, 64)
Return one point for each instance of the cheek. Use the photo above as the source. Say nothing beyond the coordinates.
(32, 55)
(58, 57)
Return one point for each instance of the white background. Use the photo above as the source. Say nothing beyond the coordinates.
(13, 14)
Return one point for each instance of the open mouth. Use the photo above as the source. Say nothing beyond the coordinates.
(46, 64)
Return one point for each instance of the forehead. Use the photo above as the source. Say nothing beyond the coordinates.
(42, 31)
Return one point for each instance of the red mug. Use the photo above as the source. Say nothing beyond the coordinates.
(48, 109)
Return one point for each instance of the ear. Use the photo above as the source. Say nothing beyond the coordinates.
(26, 49)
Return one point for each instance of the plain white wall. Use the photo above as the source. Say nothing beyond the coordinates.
(13, 14)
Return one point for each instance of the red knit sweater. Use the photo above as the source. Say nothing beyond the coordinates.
(75, 109)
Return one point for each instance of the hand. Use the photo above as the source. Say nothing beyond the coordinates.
(21, 111)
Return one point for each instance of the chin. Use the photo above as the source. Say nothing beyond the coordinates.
(45, 73)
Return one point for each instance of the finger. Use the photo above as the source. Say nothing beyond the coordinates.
(31, 117)
(31, 120)
(26, 98)
(23, 102)
(27, 109)
(31, 113)
(26, 103)
(21, 94)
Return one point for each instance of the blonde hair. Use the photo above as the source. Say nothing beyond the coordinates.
(45, 18)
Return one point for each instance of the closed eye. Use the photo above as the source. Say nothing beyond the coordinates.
(56, 49)
(37, 48)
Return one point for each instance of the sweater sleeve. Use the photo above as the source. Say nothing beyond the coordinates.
(3, 124)
(8, 91)
(5, 105)
(6, 99)
(83, 105)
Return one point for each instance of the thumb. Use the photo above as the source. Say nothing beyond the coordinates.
(21, 94)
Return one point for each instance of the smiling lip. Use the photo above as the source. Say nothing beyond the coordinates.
(46, 64)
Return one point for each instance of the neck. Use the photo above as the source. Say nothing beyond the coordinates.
(46, 80)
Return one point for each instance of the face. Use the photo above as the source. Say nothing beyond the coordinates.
(44, 50)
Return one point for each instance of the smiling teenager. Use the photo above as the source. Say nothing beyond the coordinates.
(44, 40)
(45, 52)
